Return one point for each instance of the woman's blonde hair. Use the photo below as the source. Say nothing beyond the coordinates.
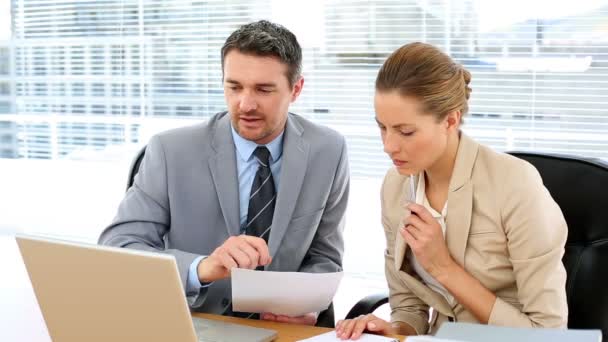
(423, 72)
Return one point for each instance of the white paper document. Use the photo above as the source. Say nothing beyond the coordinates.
(331, 337)
(282, 293)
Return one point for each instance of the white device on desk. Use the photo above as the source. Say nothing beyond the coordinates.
(97, 293)
(469, 332)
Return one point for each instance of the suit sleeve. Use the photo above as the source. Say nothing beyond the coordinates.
(327, 248)
(536, 232)
(143, 217)
(406, 307)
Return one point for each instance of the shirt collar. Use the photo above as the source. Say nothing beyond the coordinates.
(424, 201)
(245, 148)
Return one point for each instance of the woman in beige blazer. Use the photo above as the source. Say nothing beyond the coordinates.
(471, 233)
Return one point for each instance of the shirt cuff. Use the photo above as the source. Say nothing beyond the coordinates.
(418, 323)
(194, 285)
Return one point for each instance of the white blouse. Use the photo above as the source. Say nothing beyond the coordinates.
(426, 277)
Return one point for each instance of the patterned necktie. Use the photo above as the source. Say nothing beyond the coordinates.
(262, 198)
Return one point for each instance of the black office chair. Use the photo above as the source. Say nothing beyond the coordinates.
(326, 318)
(580, 188)
(139, 157)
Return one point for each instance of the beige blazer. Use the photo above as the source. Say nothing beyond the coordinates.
(503, 227)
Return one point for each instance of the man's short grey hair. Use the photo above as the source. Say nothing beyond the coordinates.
(263, 38)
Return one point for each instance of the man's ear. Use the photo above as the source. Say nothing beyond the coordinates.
(297, 89)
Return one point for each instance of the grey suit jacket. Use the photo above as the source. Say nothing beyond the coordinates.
(185, 201)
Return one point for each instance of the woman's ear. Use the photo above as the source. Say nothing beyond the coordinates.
(453, 120)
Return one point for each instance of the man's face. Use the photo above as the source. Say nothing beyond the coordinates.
(258, 95)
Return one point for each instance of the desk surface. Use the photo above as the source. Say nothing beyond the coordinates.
(21, 319)
(287, 332)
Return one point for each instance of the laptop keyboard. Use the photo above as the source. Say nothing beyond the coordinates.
(219, 331)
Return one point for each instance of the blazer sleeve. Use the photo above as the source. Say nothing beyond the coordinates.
(327, 247)
(405, 306)
(143, 217)
(536, 233)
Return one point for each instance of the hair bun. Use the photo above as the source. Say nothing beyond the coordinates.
(466, 76)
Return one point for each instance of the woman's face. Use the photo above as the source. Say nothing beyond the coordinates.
(413, 140)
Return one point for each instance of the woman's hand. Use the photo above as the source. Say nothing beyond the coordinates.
(353, 328)
(423, 234)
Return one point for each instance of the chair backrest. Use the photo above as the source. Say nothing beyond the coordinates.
(580, 188)
(326, 318)
(139, 157)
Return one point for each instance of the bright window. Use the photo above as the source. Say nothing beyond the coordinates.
(84, 83)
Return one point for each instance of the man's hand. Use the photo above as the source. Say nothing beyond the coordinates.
(308, 319)
(240, 251)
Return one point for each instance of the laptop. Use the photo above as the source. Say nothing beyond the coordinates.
(98, 293)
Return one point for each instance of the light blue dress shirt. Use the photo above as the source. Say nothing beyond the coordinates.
(247, 166)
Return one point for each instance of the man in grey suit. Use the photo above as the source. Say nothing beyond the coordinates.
(255, 187)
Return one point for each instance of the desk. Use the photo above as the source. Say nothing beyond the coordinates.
(21, 319)
(287, 332)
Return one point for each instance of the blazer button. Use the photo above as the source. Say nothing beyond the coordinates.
(225, 301)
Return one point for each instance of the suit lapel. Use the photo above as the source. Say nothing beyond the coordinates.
(224, 172)
(293, 169)
(400, 244)
(460, 199)
(404, 270)
(460, 205)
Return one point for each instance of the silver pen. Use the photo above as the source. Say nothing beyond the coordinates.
(412, 189)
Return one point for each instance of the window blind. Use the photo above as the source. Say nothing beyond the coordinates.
(91, 74)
